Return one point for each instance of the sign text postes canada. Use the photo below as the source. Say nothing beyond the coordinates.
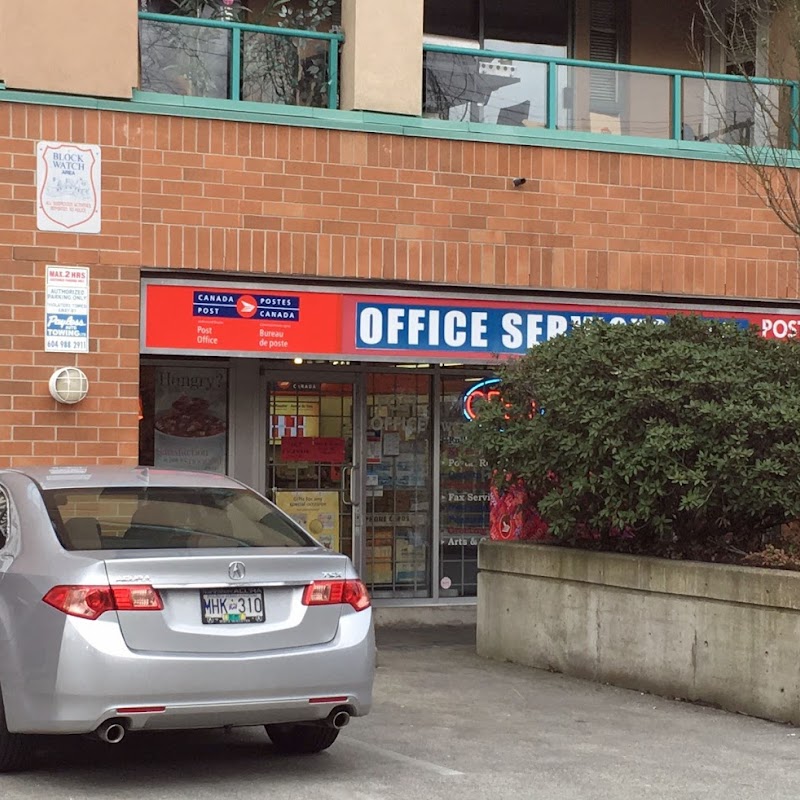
(237, 305)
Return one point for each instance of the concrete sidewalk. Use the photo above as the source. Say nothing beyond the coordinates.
(514, 732)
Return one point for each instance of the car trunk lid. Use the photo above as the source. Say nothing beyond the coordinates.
(227, 602)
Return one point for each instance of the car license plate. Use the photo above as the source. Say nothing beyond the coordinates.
(224, 606)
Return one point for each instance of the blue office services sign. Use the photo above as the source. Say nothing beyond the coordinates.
(472, 329)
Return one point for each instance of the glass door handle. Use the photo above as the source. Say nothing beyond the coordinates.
(354, 498)
(344, 488)
(349, 497)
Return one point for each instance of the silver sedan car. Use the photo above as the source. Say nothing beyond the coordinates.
(136, 599)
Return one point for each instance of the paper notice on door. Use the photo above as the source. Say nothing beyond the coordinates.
(316, 449)
(374, 447)
(391, 443)
(317, 512)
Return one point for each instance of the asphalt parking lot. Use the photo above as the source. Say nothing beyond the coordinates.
(448, 724)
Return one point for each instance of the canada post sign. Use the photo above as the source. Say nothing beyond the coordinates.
(236, 305)
(250, 320)
(216, 318)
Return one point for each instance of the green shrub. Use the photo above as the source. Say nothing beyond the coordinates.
(680, 440)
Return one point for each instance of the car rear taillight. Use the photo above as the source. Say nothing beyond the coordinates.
(136, 598)
(90, 602)
(329, 593)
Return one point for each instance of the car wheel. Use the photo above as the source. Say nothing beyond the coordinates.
(16, 750)
(299, 739)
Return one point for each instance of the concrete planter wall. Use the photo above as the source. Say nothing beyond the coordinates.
(724, 635)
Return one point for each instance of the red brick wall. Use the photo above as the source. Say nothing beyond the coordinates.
(265, 200)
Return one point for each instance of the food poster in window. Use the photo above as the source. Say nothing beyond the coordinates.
(317, 512)
(191, 413)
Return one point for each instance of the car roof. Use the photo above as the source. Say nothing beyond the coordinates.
(101, 475)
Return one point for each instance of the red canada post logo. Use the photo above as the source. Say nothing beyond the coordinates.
(246, 306)
(68, 187)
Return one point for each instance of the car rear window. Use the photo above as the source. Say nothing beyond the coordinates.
(168, 517)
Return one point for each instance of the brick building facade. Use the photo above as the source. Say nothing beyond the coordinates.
(305, 200)
(249, 199)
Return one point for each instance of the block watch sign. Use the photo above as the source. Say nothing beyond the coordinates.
(68, 187)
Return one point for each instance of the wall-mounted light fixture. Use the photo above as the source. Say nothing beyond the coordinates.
(68, 385)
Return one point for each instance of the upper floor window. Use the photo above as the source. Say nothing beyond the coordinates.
(491, 23)
(741, 42)
(460, 19)
(488, 89)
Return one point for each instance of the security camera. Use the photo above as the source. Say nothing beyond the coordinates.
(519, 182)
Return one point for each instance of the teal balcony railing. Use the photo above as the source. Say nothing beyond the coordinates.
(537, 91)
(236, 61)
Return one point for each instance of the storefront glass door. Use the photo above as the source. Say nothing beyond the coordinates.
(398, 521)
(312, 471)
(357, 472)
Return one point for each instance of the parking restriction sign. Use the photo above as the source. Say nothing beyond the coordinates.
(66, 313)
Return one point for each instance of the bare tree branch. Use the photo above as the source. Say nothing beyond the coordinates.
(756, 39)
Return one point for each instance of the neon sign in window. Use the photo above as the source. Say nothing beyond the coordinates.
(483, 391)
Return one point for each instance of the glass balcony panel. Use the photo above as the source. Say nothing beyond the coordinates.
(496, 91)
(185, 60)
(735, 112)
(611, 101)
(285, 70)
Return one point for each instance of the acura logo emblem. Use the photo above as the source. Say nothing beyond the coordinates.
(236, 570)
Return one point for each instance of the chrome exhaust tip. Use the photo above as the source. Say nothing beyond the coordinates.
(111, 732)
(339, 719)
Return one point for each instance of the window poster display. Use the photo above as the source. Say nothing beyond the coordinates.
(380, 557)
(293, 415)
(398, 484)
(317, 512)
(464, 478)
(463, 491)
(190, 418)
(317, 449)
